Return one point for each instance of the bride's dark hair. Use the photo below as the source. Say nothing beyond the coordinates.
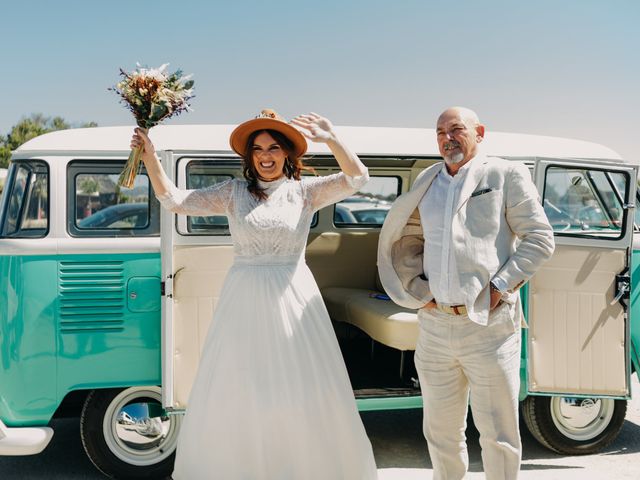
(293, 165)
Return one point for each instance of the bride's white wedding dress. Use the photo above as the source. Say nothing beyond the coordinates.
(271, 399)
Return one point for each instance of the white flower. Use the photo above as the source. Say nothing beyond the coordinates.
(186, 78)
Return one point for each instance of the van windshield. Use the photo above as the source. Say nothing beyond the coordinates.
(27, 201)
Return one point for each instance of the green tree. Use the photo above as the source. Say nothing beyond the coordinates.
(5, 152)
(28, 128)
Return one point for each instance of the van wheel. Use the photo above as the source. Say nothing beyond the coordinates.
(574, 426)
(126, 433)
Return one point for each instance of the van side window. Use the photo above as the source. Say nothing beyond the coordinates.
(98, 206)
(584, 201)
(27, 214)
(369, 206)
(200, 176)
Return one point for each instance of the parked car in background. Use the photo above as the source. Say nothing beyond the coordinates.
(365, 212)
(124, 215)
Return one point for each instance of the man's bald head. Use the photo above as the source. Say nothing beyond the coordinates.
(464, 113)
(459, 132)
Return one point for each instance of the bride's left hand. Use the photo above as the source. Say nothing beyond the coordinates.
(314, 127)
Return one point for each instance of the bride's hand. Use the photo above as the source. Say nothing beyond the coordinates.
(314, 127)
(141, 139)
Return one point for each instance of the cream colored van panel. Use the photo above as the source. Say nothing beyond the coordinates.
(344, 259)
(576, 338)
(200, 273)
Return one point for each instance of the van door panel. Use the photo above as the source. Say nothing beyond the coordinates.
(576, 337)
(578, 340)
(200, 272)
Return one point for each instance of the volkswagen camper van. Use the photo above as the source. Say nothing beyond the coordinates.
(105, 298)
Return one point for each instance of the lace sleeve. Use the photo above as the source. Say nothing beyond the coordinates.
(213, 200)
(323, 191)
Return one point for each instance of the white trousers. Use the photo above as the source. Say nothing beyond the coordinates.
(456, 357)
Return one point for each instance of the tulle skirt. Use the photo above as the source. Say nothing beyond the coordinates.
(272, 399)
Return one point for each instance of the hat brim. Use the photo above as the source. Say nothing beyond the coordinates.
(240, 135)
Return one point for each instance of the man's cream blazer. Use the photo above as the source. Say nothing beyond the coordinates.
(499, 230)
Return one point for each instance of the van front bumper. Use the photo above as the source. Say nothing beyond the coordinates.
(23, 440)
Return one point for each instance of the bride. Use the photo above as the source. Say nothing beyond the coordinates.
(271, 399)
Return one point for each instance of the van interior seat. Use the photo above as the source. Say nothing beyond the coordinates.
(382, 320)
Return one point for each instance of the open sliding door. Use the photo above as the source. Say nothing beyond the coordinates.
(196, 255)
(578, 340)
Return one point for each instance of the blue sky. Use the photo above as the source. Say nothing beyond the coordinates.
(564, 68)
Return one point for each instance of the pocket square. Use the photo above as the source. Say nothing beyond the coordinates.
(481, 192)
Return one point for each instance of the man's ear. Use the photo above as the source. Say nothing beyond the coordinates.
(479, 133)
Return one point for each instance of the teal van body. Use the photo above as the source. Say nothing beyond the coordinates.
(69, 323)
(85, 287)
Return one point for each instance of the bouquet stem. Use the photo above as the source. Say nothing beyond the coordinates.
(131, 168)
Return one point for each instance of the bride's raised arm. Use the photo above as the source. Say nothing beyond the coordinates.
(319, 129)
(213, 200)
(332, 188)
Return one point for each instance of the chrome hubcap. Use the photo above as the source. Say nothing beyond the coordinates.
(581, 419)
(137, 430)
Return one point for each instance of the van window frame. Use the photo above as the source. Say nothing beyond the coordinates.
(111, 167)
(197, 162)
(605, 170)
(9, 186)
(229, 165)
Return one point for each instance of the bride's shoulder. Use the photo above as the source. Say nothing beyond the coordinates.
(309, 179)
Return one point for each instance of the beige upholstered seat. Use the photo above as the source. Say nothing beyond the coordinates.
(382, 320)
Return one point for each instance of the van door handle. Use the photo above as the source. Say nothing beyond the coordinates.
(622, 288)
(621, 292)
(173, 279)
(175, 275)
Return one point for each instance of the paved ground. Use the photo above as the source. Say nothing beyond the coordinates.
(399, 447)
(401, 454)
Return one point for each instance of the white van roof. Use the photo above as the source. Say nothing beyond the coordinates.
(362, 140)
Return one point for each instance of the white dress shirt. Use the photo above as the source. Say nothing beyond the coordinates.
(436, 213)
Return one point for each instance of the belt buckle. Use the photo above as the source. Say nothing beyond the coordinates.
(453, 309)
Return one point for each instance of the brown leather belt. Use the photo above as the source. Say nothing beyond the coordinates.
(452, 309)
(458, 309)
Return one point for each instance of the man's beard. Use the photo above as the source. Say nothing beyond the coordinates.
(454, 158)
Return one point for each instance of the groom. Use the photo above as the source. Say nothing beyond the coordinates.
(457, 247)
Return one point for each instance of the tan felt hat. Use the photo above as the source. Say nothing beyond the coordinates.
(267, 120)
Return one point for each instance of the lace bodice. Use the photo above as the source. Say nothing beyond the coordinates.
(278, 225)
